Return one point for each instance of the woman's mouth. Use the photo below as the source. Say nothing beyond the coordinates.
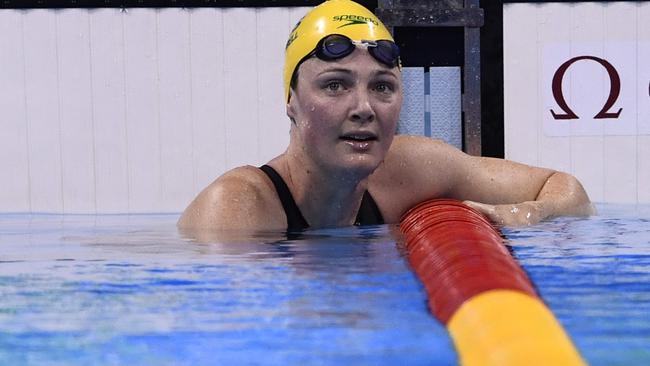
(359, 137)
(359, 141)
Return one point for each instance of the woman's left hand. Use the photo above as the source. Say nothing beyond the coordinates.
(519, 214)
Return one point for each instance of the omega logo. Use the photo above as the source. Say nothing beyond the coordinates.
(614, 90)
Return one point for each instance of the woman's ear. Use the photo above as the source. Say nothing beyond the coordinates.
(291, 110)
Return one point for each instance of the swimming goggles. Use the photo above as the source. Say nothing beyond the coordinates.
(336, 46)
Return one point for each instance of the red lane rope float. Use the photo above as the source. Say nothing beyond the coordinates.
(479, 292)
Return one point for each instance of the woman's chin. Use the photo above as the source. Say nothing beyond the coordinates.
(360, 165)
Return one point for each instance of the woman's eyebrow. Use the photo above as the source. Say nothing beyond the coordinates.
(385, 72)
(334, 70)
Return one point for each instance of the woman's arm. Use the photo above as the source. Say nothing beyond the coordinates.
(510, 193)
(515, 194)
(561, 195)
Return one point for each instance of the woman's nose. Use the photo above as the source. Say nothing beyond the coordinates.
(362, 111)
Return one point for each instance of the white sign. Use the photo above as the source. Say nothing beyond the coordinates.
(596, 89)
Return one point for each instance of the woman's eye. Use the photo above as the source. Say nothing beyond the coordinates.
(334, 86)
(384, 88)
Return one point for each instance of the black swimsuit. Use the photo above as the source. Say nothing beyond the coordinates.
(368, 212)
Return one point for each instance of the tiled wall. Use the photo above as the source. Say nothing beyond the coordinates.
(106, 110)
(431, 105)
(610, 156)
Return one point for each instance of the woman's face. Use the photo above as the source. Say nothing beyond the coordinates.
(346, 111)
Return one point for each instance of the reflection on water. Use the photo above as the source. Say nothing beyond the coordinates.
(132, 289)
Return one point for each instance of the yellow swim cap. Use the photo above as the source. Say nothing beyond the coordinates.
(343, 17)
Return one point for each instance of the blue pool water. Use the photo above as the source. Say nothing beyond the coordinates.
(595, 275)
(130, 290)
(118, 289)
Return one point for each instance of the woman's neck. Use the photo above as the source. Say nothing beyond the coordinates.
(325, 198)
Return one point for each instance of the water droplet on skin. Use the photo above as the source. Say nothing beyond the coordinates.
(313, 108)
(514, 210)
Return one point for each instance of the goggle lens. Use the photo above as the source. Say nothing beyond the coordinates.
(386, 52)
(337, 46)
(333, 47)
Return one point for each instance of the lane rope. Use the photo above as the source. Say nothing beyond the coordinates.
(478, 290)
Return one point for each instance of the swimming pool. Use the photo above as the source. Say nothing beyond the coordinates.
(595, 275)
(118, 289)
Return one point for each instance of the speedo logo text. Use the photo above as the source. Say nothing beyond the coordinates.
(352, 19)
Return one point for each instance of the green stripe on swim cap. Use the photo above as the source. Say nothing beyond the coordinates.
(331, 17)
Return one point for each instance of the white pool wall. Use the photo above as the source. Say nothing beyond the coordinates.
(111, 111)
(610, 156)
(101, 113)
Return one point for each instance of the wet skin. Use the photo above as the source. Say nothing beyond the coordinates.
(344, 114)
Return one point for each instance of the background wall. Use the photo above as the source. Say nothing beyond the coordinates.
(107, 111)
(610, 156)
(131, 111)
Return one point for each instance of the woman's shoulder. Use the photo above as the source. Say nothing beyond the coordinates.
(415, 168)
(240, 198)
(415, 145)
(244, 180)
(418, 154)
(243, 177)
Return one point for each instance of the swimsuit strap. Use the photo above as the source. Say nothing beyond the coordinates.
(295, 220)
(368, 214)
